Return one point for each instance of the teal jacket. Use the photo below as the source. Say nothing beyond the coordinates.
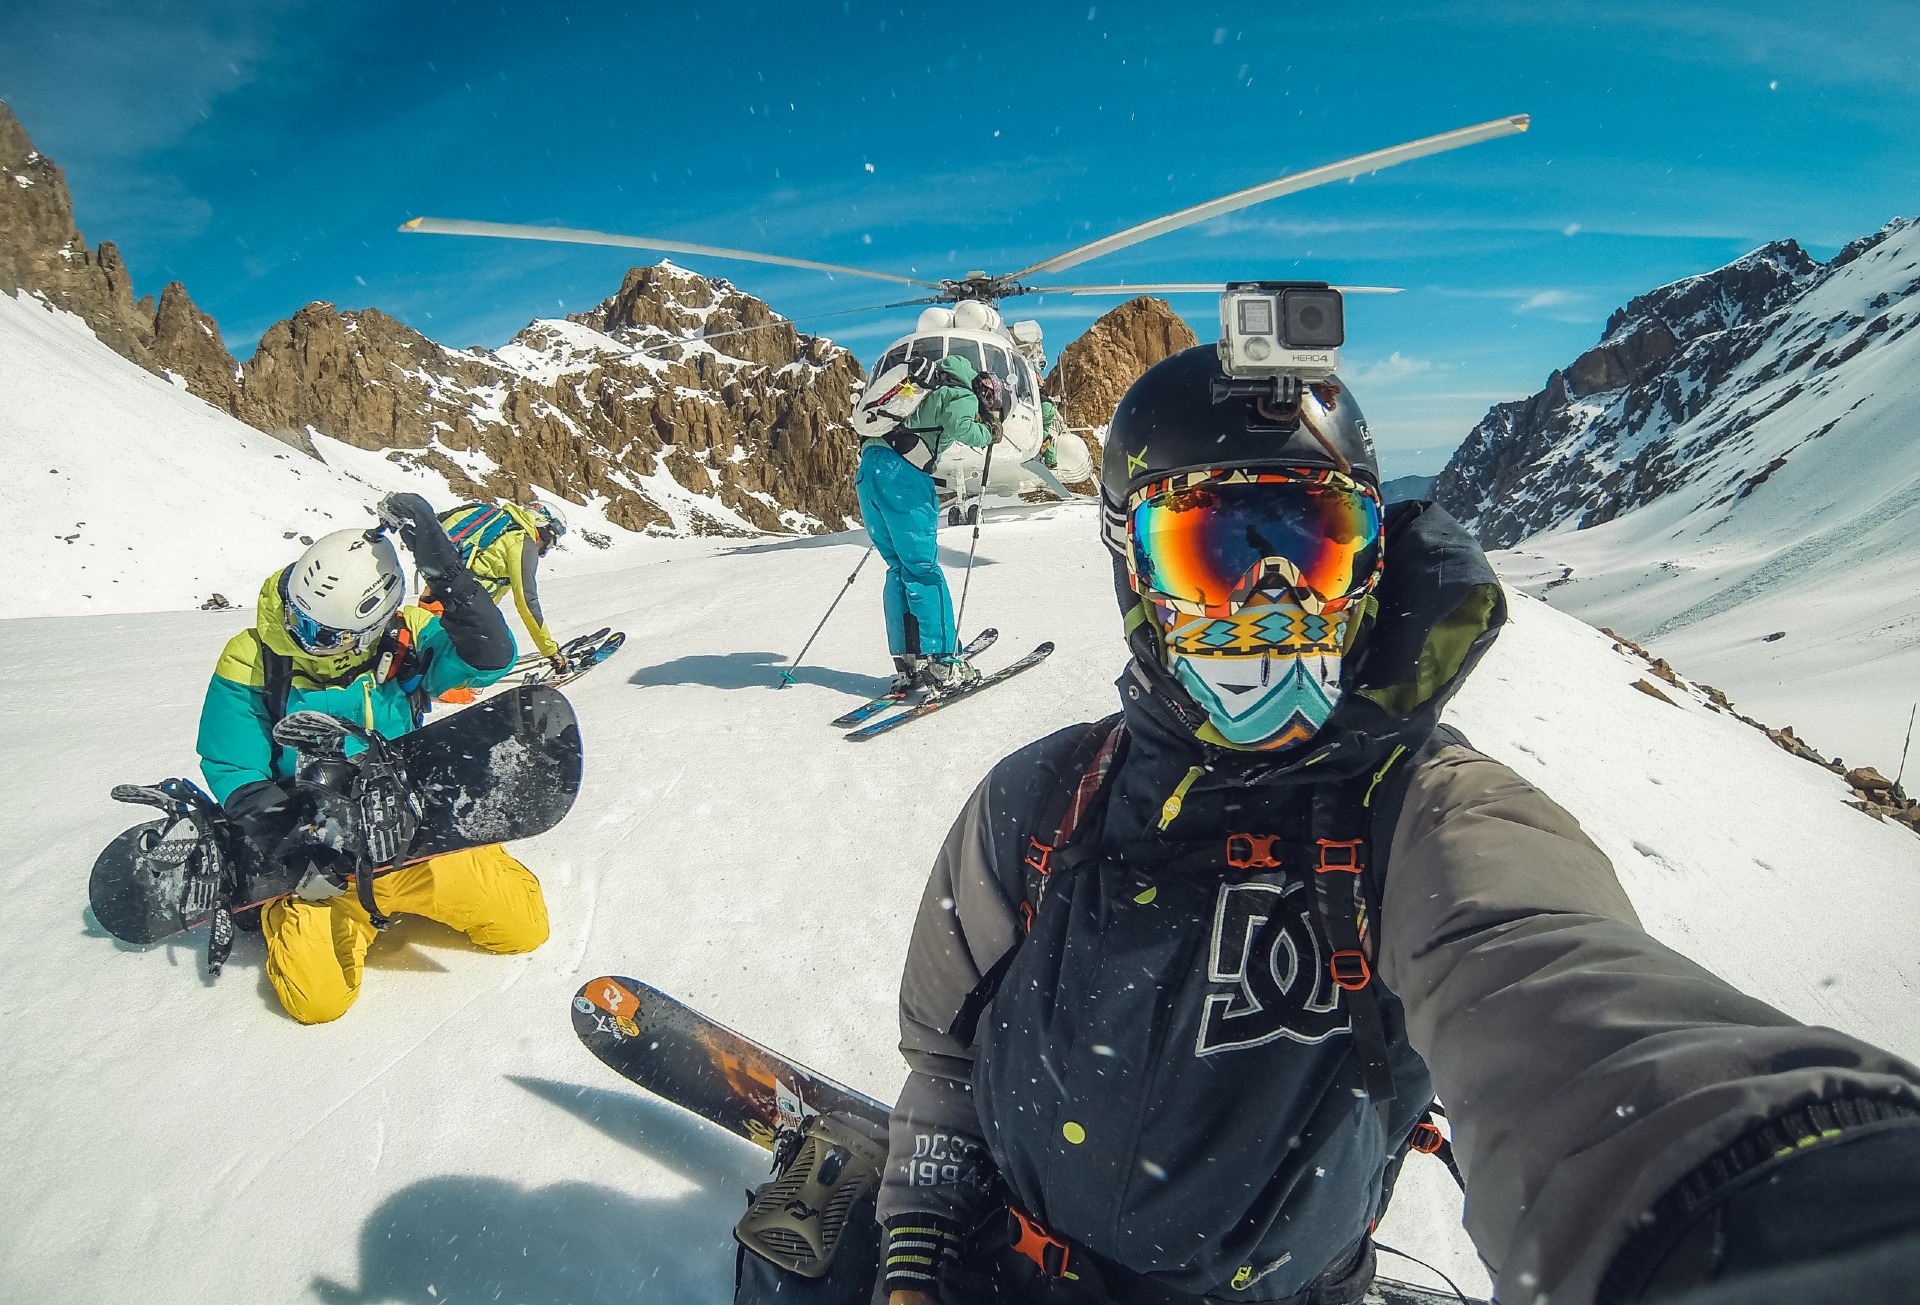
(234, 745)
(950, 414)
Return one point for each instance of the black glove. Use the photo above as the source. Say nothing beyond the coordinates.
(411, 517)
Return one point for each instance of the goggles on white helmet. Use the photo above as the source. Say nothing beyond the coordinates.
(340, 594)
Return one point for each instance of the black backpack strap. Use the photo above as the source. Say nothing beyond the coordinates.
(1343, 891)
(1078, 789)
(1427, 1139)
(276, 686)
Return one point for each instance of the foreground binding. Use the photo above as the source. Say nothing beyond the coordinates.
(688, 1060)
(868, 710)
(932, 703)
(505, 768)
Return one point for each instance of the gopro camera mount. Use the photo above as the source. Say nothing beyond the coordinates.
(1276, 336)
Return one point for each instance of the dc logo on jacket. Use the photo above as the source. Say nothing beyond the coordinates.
(1266, 948)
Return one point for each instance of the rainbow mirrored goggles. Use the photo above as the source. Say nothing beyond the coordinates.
(1205, 542)
(323, 640)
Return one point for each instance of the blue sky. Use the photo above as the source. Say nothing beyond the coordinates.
(264, 152)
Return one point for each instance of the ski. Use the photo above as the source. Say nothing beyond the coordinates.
(581, 655)
(578, 642)
(873, 707)
(927, 706)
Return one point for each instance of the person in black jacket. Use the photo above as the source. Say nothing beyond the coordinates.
(1184, 983)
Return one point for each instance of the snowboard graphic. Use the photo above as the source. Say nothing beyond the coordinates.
(505, 768)
(681, 1056)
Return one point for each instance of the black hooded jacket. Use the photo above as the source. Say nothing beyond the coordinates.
(1162, 1074)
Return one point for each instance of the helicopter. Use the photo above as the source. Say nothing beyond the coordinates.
(961, 315)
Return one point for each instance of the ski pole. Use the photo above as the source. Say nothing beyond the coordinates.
(786, 676)
(980, 513)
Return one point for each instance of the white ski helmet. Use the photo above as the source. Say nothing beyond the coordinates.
(547, 517)
(341, 591)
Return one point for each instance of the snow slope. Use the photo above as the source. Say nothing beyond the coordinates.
(127, 493)
(449, 1141)
(1775, 548)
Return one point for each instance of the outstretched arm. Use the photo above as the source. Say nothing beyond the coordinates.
(1586, 1068)
(526, 596)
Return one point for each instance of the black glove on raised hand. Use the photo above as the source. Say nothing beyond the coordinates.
(478, 630)
(411, 517)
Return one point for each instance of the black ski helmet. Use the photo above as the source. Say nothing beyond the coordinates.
(1169, 422)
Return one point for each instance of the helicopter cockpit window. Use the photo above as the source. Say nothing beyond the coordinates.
(968, 349)
(892, 358)
(931, 347)
(1009, 370)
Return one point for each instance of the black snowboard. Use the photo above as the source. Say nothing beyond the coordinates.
(505, 768)
(681, 1056)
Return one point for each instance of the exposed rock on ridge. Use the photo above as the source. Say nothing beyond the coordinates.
(684, 404)
(1095, 370)
(43, 253)
(1680, 373)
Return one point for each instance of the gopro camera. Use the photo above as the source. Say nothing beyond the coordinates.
(1286, 332)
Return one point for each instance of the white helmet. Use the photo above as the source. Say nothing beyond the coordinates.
(342, 592)
(547, 517)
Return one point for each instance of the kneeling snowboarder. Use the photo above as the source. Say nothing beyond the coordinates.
(334, 635)
(1184, 983)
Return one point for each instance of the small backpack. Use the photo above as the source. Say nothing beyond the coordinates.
(893, 396)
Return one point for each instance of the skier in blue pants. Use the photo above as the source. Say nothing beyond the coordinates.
(901, 511)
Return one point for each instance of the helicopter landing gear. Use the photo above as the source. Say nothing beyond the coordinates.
(953, 515)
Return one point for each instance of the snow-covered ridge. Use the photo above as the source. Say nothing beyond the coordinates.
(1731, 477)
(125, 493)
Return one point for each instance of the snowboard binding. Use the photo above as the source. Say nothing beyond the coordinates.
(387, 810)
(202, 873)
(799, 1220)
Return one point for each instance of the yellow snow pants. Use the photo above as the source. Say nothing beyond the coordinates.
(315, 950)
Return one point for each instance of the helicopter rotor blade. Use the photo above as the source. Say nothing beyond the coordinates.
(1183, 288)
(570, 236)
(1287, 185)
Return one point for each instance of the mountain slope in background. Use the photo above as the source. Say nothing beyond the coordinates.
(125, 493)
(1731, 476)
(676, 392)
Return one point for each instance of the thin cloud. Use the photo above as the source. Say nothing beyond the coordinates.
(1395, 368)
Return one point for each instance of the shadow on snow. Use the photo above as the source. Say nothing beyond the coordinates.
(754, 670)
(470, 1238)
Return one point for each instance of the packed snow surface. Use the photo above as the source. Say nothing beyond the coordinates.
(449, 1140)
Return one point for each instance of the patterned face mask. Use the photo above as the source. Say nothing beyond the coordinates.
(1267, 677)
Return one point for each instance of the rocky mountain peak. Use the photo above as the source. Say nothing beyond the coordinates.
(43, 253)
(1679, 378)
(1095, 370)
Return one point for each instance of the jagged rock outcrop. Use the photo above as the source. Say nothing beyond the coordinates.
(593, 406)
(1680, 372)
(681, 403)
(43, 253)
(1095, 370)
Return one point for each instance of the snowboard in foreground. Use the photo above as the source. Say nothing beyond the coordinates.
(681, 1056)
(684, 1058)
(504, 768)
